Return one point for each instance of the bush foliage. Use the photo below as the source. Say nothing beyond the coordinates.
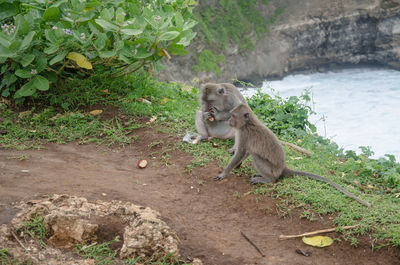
(42, 41)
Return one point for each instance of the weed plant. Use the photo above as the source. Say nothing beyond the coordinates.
(7, 259)
(34, 228)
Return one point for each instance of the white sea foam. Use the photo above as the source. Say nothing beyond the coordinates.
(360, 107)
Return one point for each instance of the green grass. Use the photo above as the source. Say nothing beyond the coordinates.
(100, 252)
(374, 180)
(34, 228)
(7, 259)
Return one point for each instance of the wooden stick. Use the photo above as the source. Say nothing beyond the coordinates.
(19, 242)
(296, 148)
(252, 243)
(281, 237)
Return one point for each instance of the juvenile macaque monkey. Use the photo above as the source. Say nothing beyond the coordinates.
(255, 139)
(216, 102)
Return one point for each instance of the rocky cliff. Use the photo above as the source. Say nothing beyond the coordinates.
(312, 35)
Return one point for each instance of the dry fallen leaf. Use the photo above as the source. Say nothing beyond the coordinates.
(80, 60)
(152, 119)
(144, 101)
(96, 112)
(142, 163)
(318, 241)
(214, 144)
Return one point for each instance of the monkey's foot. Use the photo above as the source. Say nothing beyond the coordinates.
(260, 180)
(210, 138)
(238, 166)
(219, 177)
(231, 151)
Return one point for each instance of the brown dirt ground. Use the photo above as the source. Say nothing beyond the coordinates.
(208, 218)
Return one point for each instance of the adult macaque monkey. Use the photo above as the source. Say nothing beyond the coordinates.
(216, 102)
(255, 139)
(212, 120)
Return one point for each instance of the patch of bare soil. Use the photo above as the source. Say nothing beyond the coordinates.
(207, 215)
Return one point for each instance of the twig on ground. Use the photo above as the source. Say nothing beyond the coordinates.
(19, 242)
(296, 148)
(252, 243)
(316, 232)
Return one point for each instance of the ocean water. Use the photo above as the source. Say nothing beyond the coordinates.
(355, 107)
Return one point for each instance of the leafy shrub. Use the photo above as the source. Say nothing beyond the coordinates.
(41, 41)
(284, 117)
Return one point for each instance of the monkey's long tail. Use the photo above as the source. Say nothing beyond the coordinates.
(289, 172)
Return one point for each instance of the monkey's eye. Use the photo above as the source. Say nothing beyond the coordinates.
(221, 91)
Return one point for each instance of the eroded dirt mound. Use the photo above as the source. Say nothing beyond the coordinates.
(71, 220)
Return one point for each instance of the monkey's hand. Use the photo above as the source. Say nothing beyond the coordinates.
(220, 176)
(208, 116)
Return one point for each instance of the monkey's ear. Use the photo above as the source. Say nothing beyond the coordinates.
(247, 116)
(221, 90)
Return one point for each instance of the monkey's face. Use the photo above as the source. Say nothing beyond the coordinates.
(214, 94)
(240, 116)
(238, 120)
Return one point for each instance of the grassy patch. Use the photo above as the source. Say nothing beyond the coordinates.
(100, 252)
(7, 259)
(34, 228)
(374, 180)
(68, 118)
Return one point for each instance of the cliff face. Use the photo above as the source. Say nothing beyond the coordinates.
(312, 35)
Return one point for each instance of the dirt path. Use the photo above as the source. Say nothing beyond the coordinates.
(208, 217)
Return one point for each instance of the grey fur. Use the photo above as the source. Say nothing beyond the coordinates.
(216, 101)
(255, 139)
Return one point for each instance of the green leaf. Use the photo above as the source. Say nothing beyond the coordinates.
(4, 42)
(107, 25)
(119, 15)
(5, 93)
(189, 24)
(23, 73)
(22, 25)
(52, 49)
(107, 14)
(101, 41)
(131, 32)
(8, 80)
(51, 14)
(6, 53)
(41, 63)
(177, 49)
(107, 54)
(41, 83)
(27, 59)
(15, 45)
(186, 37)
(58, 57)
(8, 10)
(26, 90)
(170, 35)
(50, 35)
(60, 2)
(142, 53)
(27, 40)
(179, 21)
(3, 68)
